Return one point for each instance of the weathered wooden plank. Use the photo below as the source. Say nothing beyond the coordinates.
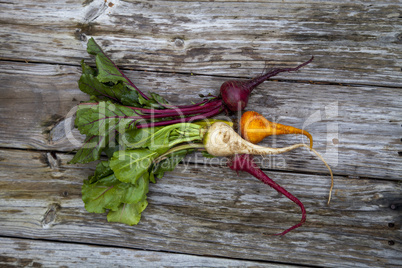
(209, 210)
(356, 128)
(354, 42)
(32, 253)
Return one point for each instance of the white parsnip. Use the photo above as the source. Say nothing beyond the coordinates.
(222, 140)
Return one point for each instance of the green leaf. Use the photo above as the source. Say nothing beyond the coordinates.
(104, 118)
(110, 150)
(86, 69)
(90, 84)
(93, 48)
(130, 165)
(152, 177)
(102, 170)
(170, 163)
(130, 98)
(100, 195)
(147, 103)
(154, 101)
(110, 193)
(138, 138)
(161, 139)
(128, 213)
(136, 193)
(90, 150)
(159, 99)
(156, 139)
(107, 70)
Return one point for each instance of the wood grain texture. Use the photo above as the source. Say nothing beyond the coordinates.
(355, 42)
(209, 210)
(32, 253)
(357, 129)
(203, 214)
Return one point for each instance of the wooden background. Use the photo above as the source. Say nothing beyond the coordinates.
(203, 214)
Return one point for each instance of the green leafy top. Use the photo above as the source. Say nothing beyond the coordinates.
(135, 156)
(125, 201)
(107, 70)
(107, 81)
(112, 92)
(120, 184)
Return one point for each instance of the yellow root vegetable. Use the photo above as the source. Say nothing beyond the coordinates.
(254, 128)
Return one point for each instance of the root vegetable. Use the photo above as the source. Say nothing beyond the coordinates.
(222, 140)
(244, 162)
(108, 83)
(235, 93)
(254, 128)
(145, 136)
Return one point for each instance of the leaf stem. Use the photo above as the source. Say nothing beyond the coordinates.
(179, 148)
(179, 110)
(211, 113)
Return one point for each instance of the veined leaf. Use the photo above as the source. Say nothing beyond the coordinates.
(158, 98)
(135, 194)
(110, 150)
(102, 170)
(128, 166)
(86, 69)
(128, 213)
(107, 70)
(130, 98)
(155, 139)
(161, 139)
(138, 138)
(155, 101)
(103, 118)
(169, 163)
(90, 84)
(91, 149)
(109, 193)
(101, 195)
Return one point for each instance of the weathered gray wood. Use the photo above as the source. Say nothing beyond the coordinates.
(354, 42)
(203, 208)
(32, 253)
(357, 129)
(209, 210)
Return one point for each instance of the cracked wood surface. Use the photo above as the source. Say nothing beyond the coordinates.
(32, 253)
(349, 99)
(357, 129)
(208, 210)
(353, 42)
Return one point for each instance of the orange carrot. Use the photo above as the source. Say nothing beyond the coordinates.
(254, 128)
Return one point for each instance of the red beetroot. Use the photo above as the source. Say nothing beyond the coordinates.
(244, 162)
(235, 93)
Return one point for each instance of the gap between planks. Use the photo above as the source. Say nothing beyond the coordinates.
(152, 258)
